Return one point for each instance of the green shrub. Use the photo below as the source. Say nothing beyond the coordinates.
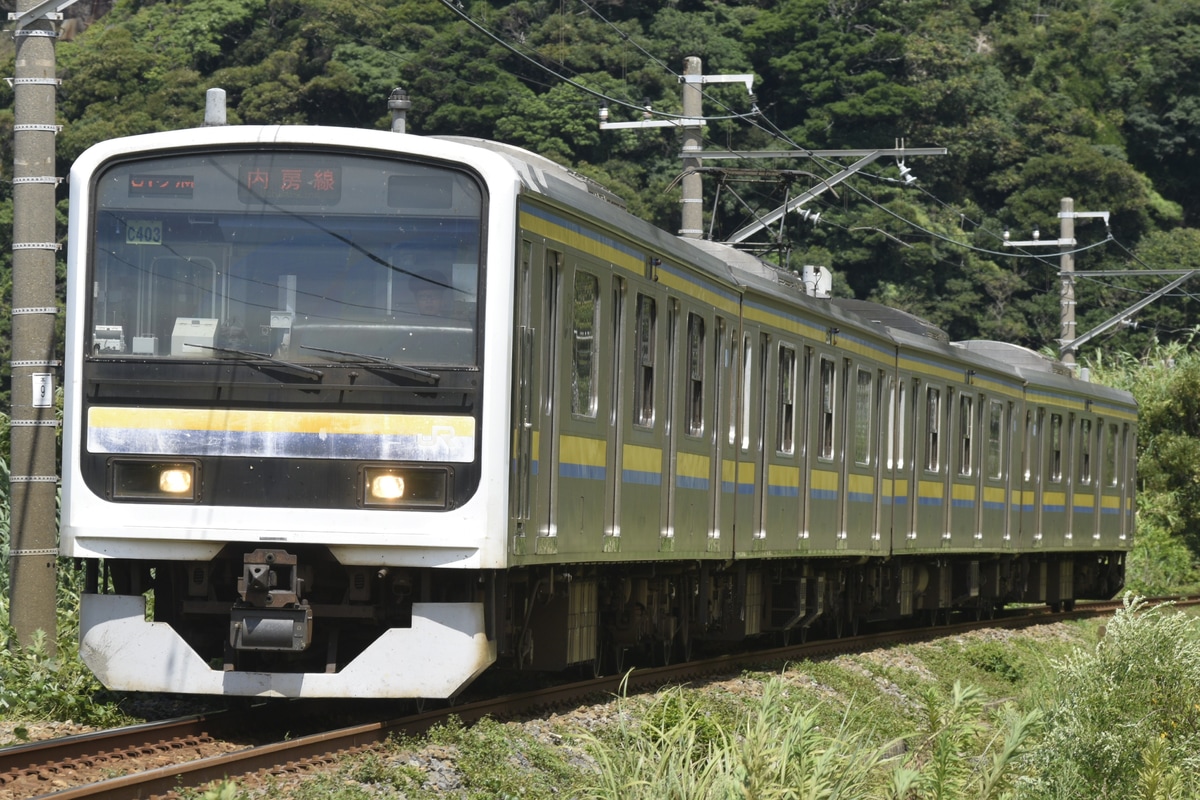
(1159, 563)
(1126, 722)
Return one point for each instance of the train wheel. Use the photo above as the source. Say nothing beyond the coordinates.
(618, 657)
(664, 651)
(597, 666)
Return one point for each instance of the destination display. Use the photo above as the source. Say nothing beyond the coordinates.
(290, 184)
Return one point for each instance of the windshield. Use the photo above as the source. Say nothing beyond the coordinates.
(291, 255)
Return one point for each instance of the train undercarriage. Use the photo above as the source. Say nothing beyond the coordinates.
(613, 614)
(298, 612)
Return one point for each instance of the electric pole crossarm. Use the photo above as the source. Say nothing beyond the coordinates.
(676, 122)
(774, 216)
(898, 152)
(50, 9)
(1129, 273)
(745, 78)
(1133, 309)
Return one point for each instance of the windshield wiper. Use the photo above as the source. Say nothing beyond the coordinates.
(250, 356)
(416, 374)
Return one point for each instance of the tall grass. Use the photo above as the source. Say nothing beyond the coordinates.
(778, 751)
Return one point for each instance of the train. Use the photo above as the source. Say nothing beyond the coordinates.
(354, 413)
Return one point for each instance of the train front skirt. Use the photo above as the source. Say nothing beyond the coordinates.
(444, 650)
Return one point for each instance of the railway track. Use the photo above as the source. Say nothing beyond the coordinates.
(159, 758)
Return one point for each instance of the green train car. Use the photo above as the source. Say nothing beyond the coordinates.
(712, 454)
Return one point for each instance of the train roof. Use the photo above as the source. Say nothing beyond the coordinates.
(539, 172)
(892, 318)
(746, 271)
(1015, 355)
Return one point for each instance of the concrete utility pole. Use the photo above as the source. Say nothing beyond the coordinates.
(692, 222)
(1066, 269)
(1067, 343)
(33, 479)
(692, 101)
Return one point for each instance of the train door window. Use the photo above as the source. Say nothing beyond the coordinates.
(618, 328)
(1026, 450)
(995, 445)
(901, 436)
(933, 429)
(1084, 467)
(828, 376)
(804, 391)
(550, 306)
(720, 377)
(1110, 455)
(889, 445)
(786, 422)
(584, 362)
(731, 360)
(863, 396)
(747, 389)
(1056, 448)
(643, 400)
(966, 428)
(695, 376)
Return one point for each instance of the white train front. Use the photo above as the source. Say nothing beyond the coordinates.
(250, 372)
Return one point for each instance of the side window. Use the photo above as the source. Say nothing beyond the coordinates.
(787, 401)
(864, 393)
(966, 428)
(643, 388)
(1056, 432)
(933, 429)
(828, 387)
(585, 323)
(1033, 423)
(1110, 456)
(695, 376)
(995, 445)
(1084, 470)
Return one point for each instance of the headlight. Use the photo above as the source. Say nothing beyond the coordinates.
(403, 487)
(167, 481)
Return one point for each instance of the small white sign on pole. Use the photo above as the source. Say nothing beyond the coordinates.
(43, 389)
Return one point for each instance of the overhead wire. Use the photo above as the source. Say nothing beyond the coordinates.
(763, 123)
(457, 9)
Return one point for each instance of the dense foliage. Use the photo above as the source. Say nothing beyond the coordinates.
(1098, 100)
(1166, 385)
